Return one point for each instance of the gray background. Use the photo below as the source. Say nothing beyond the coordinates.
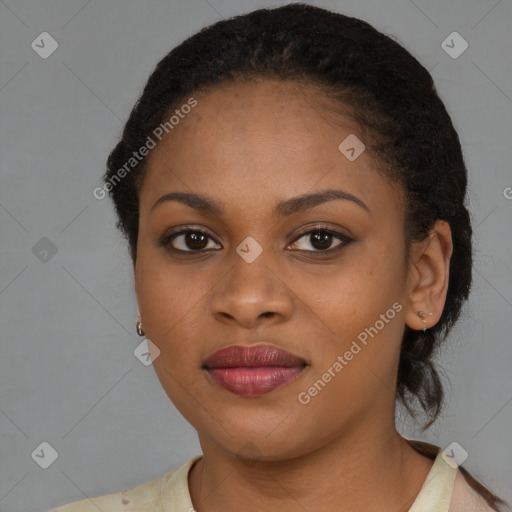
(68, 374)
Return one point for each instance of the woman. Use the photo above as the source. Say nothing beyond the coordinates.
(293, 194)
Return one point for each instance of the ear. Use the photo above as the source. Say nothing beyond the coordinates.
(429, 272)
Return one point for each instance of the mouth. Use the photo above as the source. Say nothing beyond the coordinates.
(253, 371)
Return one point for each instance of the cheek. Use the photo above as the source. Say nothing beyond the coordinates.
(358, 290)
(165, 291)
(167, 300)
(359, 307)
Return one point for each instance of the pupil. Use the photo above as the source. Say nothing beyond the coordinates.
(195, 240)
(323, 238)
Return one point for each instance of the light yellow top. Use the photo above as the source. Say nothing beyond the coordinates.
(444, 490)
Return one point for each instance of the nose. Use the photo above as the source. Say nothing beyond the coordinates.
(251, 294)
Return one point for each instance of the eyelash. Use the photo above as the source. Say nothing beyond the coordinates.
(345, 240)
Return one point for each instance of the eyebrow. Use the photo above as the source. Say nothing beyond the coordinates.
(284, 208)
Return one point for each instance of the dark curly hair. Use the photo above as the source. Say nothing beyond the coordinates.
(387, 92)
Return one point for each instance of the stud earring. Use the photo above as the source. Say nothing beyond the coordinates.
(422, 315)
(140, 331)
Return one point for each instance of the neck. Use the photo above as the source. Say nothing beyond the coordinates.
(358, 471)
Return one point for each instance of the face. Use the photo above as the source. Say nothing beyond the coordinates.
(321, 279)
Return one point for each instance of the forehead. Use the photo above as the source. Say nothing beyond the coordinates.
(262, 140)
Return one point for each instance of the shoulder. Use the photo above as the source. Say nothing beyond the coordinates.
(467, 499)
(147, 497)
(451, 487)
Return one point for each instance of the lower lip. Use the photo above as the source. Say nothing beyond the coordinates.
(252, 382)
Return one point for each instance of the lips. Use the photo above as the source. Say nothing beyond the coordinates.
(253, 371)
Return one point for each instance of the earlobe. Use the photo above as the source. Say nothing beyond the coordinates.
(428, 277)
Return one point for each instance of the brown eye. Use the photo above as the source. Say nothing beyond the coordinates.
(195, 240)
(320, 240)
(189, 240)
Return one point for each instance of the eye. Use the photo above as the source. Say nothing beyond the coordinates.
(320, 240)
(197, 240)
(188, 240)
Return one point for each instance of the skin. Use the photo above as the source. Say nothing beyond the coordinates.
(249, 146)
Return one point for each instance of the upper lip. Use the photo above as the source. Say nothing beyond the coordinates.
(255, 356)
